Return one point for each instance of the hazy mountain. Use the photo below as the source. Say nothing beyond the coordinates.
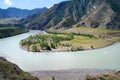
(92, 13)
(19, 13)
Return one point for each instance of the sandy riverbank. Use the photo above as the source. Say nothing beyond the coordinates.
(76, 74)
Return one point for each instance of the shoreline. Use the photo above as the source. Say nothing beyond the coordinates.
(68, 74)
(62, 50)
(72, 74)
(68, 49)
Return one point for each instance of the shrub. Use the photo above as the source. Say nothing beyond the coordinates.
(92, 47)
(34, 48)
(52, 45)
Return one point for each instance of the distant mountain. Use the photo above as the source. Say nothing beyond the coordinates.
(19, 13)
(91, 13)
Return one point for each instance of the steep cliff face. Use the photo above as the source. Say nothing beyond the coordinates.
(91, 13)
(101, 14)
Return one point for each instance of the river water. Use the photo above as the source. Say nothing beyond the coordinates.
(104, 58)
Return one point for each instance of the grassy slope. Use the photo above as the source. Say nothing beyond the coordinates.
(9, 71)
(102, 37)
(10, 31)
(9, 21)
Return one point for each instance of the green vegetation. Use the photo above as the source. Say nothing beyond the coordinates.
(9, 71)
(11, 31)
(99, 30)
(44, 42)
(73, 39)
(10, 21)
(66, 32)
(56, 40)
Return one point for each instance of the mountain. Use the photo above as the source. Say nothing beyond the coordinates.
(91, 13)
(19, 13)
(10, 71)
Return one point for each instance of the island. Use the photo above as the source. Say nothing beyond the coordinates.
(77, 38)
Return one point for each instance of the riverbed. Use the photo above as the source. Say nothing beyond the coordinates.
(104, 58)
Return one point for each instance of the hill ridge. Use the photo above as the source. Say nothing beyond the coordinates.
(90, 13)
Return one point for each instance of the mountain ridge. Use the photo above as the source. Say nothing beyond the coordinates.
(13, 12)
(91, 13)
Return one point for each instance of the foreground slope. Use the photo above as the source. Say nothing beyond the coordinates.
(83, 74)
(9, 71)
(91, 13)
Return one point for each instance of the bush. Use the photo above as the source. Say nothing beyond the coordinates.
(79, 48)
(53, 46)
(34, 48)
(92, 47)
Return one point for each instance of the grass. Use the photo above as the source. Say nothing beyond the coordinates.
(88, 43)
(101, 37)
(9, 21)
(97, 30)
(9, 71)
(45, 42)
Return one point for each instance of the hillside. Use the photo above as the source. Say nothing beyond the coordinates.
(11, 31)
(19, 13)
(10, 71)
(91, 13)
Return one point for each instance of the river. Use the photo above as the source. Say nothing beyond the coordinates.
(104, 58)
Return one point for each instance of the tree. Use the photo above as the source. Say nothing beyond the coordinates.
(45, 46)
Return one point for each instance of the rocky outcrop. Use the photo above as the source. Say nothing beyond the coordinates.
(100, 14)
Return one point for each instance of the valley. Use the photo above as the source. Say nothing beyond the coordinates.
(51, 61)
(60, 40)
